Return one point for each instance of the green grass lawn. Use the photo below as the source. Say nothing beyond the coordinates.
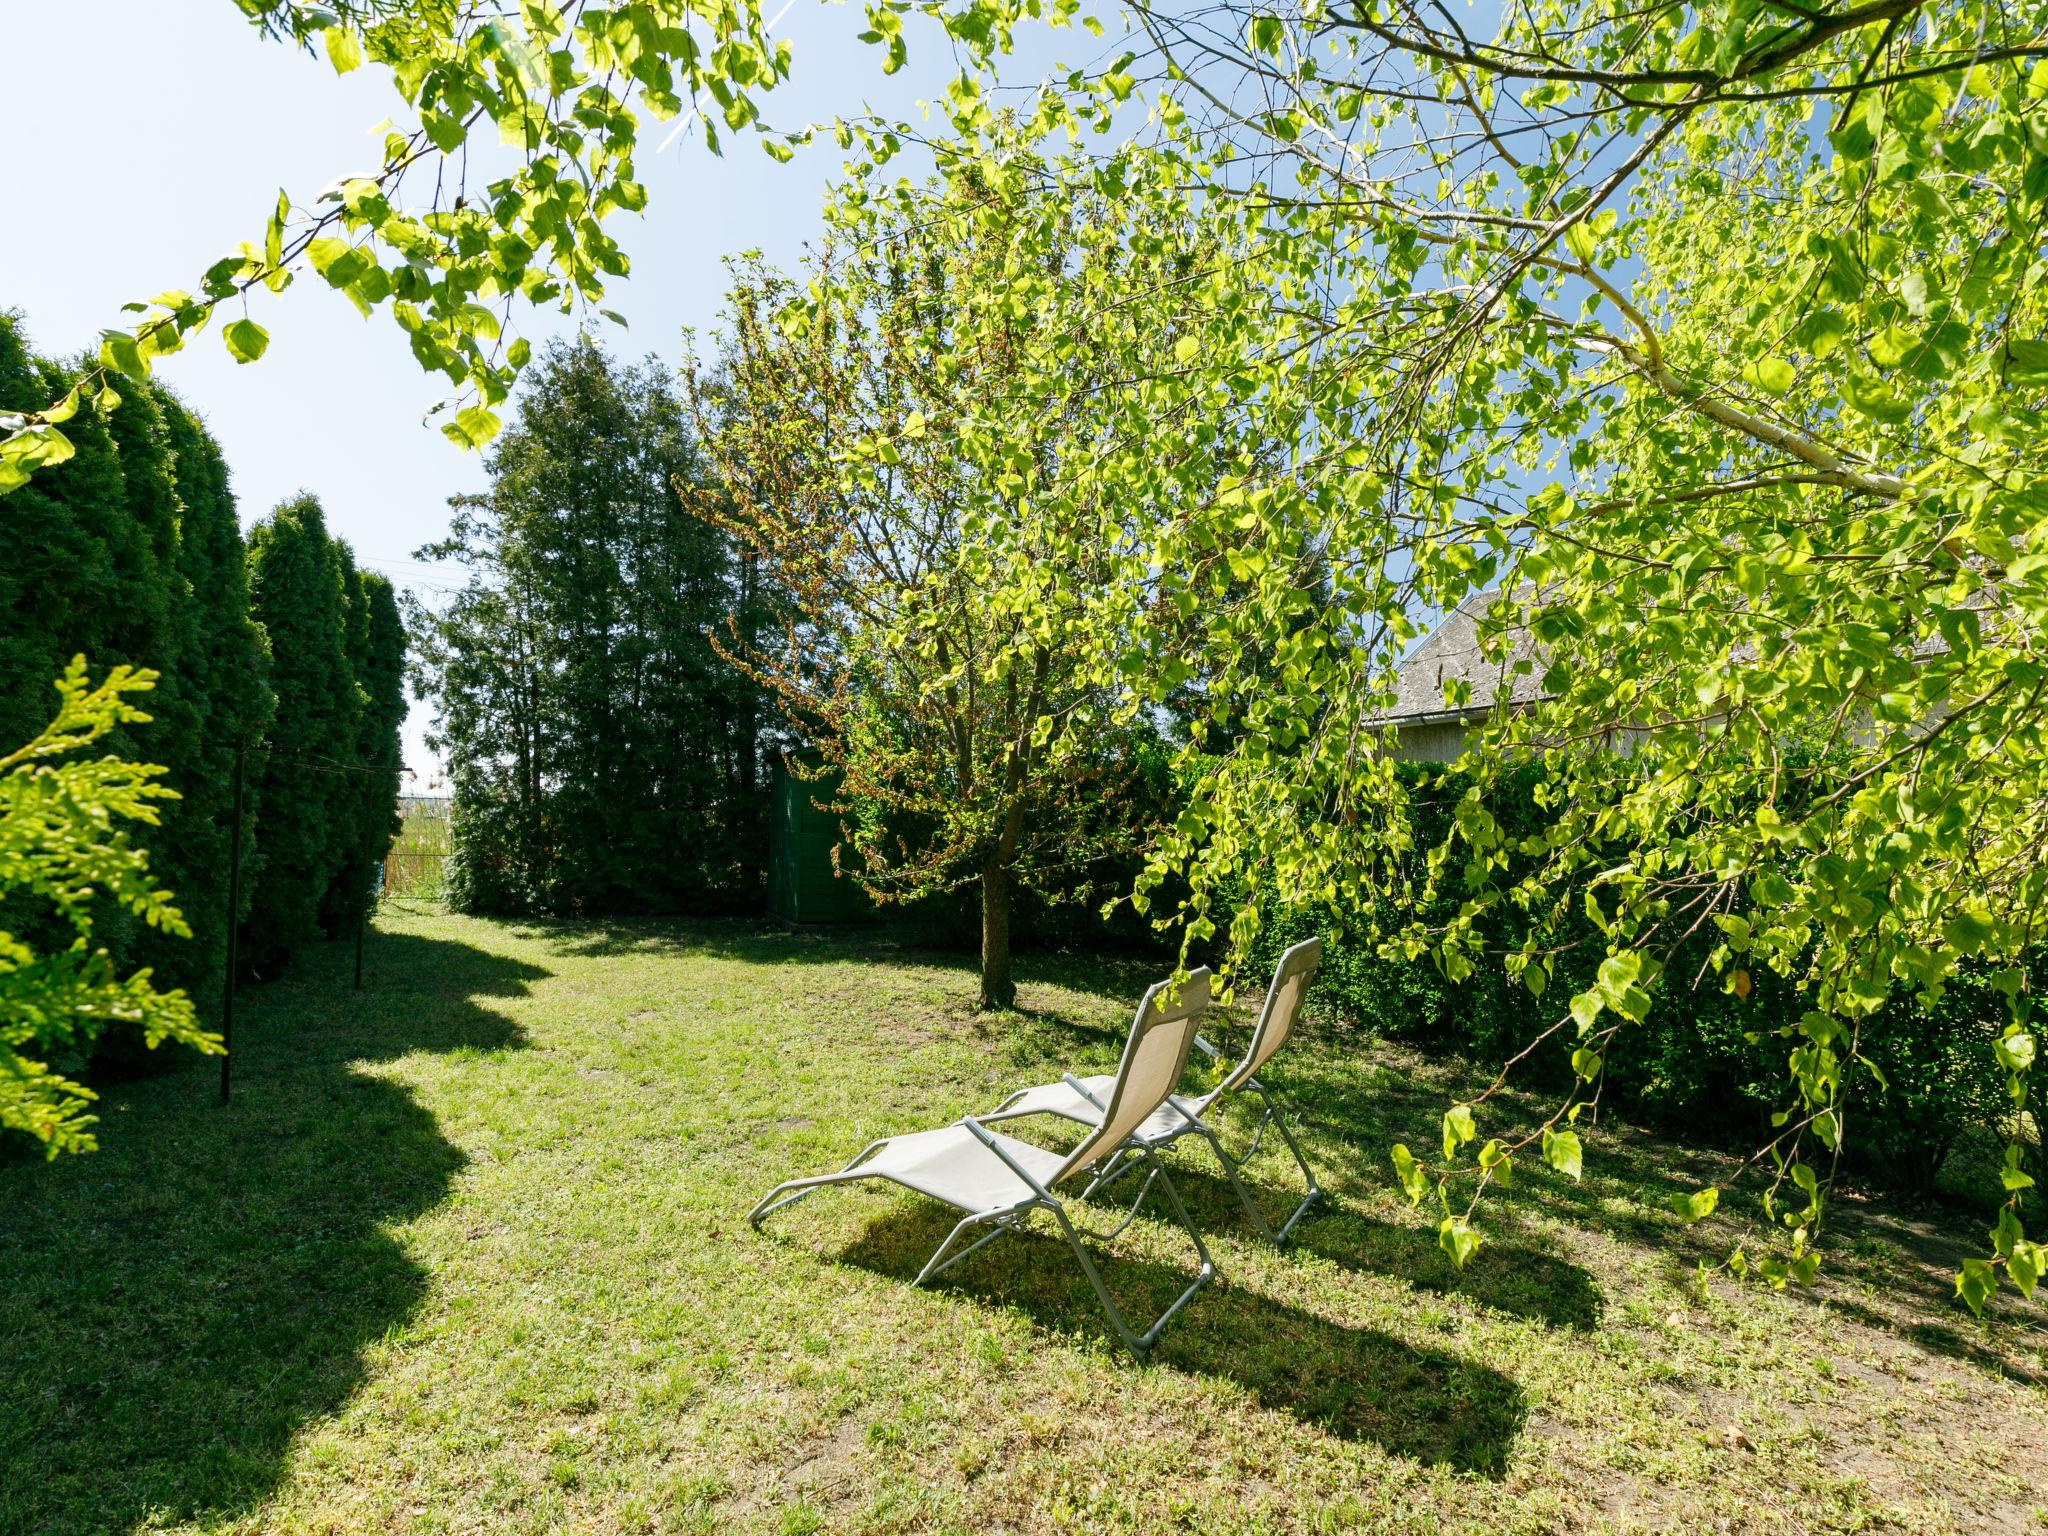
(469, 1253)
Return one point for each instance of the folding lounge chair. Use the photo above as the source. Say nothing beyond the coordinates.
(1080, 1099)
(999, 1181)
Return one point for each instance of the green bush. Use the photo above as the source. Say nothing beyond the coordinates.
(1705, 1063)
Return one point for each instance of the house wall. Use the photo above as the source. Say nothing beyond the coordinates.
(1436, 742)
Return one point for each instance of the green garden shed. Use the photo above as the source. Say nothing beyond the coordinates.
(802, 885)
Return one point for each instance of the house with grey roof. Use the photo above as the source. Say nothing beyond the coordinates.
(1427, 729)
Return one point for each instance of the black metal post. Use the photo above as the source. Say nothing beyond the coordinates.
(362, 922)
(227, 1002)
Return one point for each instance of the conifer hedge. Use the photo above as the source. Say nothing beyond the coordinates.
(132, 552)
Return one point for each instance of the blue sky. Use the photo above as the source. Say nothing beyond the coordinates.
(141, 155)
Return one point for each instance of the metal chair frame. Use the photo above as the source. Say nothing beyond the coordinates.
(1143, 1082)
(1192, 1124)
(1012, 1218)
(1297, 965)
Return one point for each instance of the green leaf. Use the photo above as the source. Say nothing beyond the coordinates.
(246, 340)
(2026, 1266)
(1736, 930)
(2012, 1175)
(1891, 346)
(1842, 274)
(31, 449)
(1969, 932)
(337, 261)
(2015, 1051)
(1975, 1284)
(1961, 630)
(1457, 1239)
(1562, 1151)
(1414, 1178)
(1822, 332)
(273, 237)
(1876, 400)
(120, 353)
(344, 49)
(1458, 1128)
(2027, 360)
(1697, 1206)
(1579, 240)
(472, 427)
(1771, 374)
(63, 410)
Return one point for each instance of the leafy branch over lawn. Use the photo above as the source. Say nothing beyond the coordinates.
(62, 850)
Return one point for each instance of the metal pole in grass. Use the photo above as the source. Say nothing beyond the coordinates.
(227, 1004)
(375, 898)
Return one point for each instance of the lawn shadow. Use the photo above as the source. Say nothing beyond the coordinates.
(768, 941)
(1506, 1275)
(1356, 1383)
(179, 1304)
(1037, 1024)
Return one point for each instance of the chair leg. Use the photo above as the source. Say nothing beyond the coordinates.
(933, 1268)
(1275, 1116)
(1278, 1115)
(1140, 1344)
(799, 1188)
(1119, 1165)
(1244, 1196)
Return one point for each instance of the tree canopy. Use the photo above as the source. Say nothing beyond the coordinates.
(602, 758)
(1710, 336)
(302, 586)
(954, 630)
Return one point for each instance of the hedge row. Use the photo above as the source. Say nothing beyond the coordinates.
(1704, 1063)
(132, 552)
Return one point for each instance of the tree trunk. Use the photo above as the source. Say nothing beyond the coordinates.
(997, 989)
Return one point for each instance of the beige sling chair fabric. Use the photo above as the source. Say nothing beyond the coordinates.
(999, 1180)
(1081, 1098)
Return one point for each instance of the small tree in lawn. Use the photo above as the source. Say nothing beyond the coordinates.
(885, 461)
(60, 854)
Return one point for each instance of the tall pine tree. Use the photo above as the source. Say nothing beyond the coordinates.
(307, 824)
(78, 568)
(131, 553)
(376, 655)
(223, 670)
(603, 758)
(87, 566)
